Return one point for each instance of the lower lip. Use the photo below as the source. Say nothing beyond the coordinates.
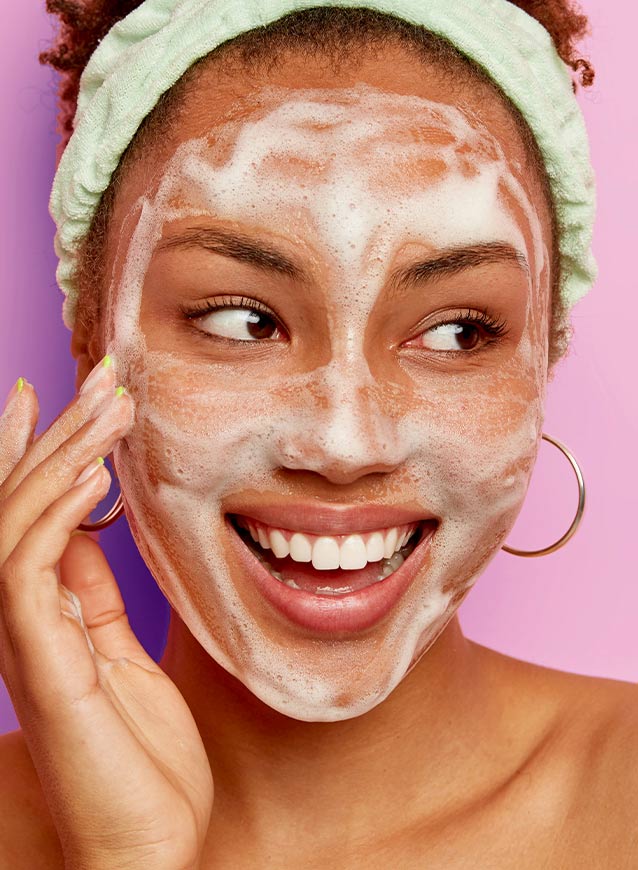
(354, 611)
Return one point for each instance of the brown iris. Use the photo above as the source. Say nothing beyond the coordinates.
(260, 325)
(468, 336)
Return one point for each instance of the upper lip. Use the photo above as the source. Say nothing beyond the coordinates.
(330, 519)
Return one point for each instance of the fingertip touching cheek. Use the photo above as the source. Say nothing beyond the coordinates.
(338, 295)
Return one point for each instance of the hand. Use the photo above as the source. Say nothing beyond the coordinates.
(121, 762)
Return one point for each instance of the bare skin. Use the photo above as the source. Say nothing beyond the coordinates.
(557, 789)
(473, 754)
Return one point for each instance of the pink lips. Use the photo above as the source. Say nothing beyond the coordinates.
(351, 612)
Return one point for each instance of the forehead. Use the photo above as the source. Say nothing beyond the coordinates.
(357, 161)
(304, 134)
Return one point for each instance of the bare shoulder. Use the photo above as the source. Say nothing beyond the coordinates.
(612, 743)
(596, 714)
(589, 756)
(601, 742)
(602, 714)
(28, 837)
(571, 697)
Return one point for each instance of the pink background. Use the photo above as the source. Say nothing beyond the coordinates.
(575, 610)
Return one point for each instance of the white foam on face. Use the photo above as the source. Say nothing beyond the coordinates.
(349, 177)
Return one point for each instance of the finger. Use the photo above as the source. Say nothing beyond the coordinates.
(47, 655)
(57, 473)
(85, 571)
(17, 425)
(95, 392)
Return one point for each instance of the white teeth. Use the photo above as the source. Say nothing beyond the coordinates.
(390, 543)
(352, 553)
(375, 547)
(279, 544)
(263, 538)
(300, 549)
(348, 552)
(325, 554)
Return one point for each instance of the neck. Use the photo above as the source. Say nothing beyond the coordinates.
(412, 754)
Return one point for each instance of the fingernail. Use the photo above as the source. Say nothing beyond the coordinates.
(15, 390)
(98, 373)
(90, 470)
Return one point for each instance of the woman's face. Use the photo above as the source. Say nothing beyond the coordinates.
(375, 251)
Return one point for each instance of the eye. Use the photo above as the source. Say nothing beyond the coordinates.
(451, 336)
(241, 324)
(467, 333)
(235, 319)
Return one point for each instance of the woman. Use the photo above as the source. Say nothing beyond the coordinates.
(334, 268)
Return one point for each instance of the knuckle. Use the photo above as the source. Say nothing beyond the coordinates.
(11, 585)
(87, 697)
(51, 513)
(57, 512)
(4, 529)
(10, 574)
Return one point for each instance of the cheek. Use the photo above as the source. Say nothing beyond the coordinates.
(196, 428)
(473, 446)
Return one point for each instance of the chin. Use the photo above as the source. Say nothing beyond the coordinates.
(327, 694)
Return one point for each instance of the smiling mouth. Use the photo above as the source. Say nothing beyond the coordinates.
(330, 565)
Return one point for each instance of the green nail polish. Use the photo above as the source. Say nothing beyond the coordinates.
(120, 390)
(106, 362)
(15, 390)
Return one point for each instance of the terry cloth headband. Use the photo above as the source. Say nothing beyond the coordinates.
(144, 54)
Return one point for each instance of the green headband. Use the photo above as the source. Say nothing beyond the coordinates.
(144, 54)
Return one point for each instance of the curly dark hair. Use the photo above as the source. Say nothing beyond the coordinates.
(331, 32)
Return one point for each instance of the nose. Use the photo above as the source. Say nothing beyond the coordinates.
(343, 427)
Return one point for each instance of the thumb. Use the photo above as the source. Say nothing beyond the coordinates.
(84, 570)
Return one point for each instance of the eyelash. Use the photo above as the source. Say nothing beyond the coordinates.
(495, 328)
(226, 302)
(206, 307)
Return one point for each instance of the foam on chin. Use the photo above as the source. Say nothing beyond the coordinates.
(341, 166)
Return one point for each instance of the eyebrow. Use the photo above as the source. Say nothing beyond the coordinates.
(246, 249)
(235, 245)
(456, 260)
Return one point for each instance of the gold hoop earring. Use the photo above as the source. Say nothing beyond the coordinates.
(116, 511)
(571, 531)
(113, 514)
